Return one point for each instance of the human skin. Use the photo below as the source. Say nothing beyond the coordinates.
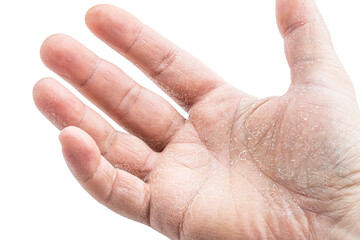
(238, 167)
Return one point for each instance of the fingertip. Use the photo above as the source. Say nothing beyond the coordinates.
(55, 53)
(96, 15)
(69, 133)
(42, 94)
(74, 138)
(80, 152)
(50, 47)
(68, 58)
(38, 87)
(56, 103)
(89, 15)
(112, 24)
(96, 11)
(64, 135)
(291, 13)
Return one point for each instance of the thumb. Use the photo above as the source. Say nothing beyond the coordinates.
(308, 45)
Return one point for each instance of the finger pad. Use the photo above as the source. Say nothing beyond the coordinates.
(68, 58)
(113, 25)
(80, 151)
(57, 103)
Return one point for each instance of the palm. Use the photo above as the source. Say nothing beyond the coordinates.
(238, 168)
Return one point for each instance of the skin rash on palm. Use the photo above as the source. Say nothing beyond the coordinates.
(238, 167)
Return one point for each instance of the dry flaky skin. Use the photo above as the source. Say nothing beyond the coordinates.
(239, 167)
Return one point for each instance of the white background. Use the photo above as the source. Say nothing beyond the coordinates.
(39, 199)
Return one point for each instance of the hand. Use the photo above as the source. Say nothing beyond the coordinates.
(239, 167)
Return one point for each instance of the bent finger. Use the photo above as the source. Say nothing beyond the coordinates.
(63, 109)
(180, 75)
(138, 110)
(116, 189)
